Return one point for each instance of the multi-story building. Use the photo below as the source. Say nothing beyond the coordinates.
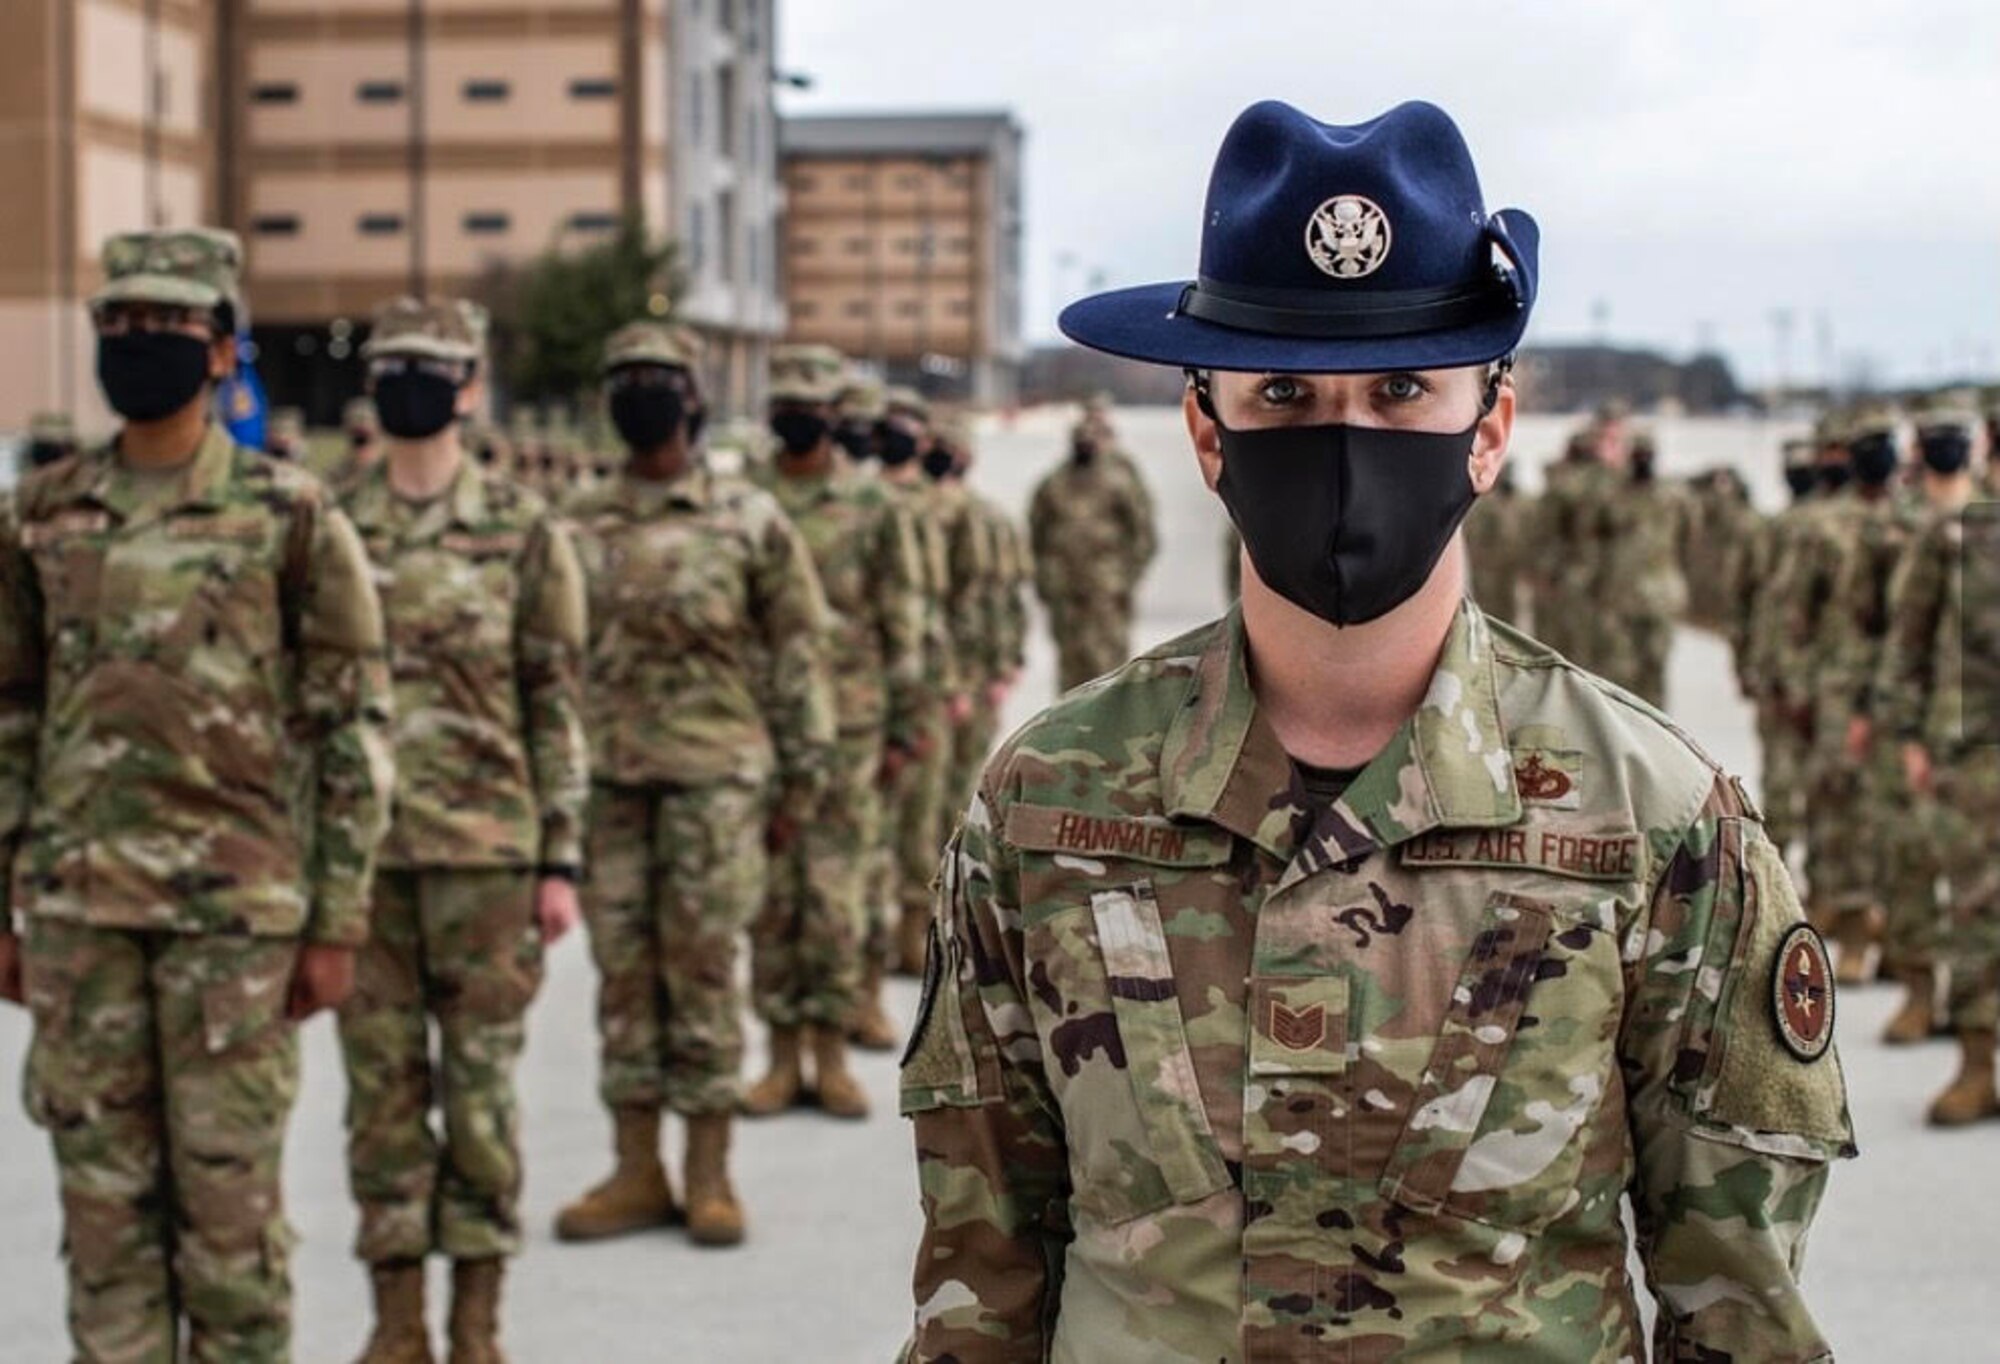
(903, 245)
(103, 109)
(373, 147)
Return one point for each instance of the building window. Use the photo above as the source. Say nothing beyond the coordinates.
(485, 91)
(379, 92)
(907, 245)
(725, 234)
(909, 307)
(959, 246)
(697, 236)
(857, 246)
(275, 224)
(960, 307)
(804, 184)
(725, 110)
(484, 224)
(697, 105)
(274, 92)
(804, 246)
(380, 224)
(858, 180)
(591, 221)
(909, 180)
(805, 308)
(592, 87)
(857, 307)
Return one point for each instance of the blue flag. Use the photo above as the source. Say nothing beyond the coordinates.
(240, 398)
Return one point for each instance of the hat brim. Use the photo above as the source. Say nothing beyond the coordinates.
(168, 290)
(796, 393)
(421, 348)
(1145, 323)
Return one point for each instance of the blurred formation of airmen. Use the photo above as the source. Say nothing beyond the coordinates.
(1498, 545)
(711, 722)
(192, 710)
(819, 947)
(1721, 519)
(1091, 535)
(483, 605)
(1937, 696)
(285, 435)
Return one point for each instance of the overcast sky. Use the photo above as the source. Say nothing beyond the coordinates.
(1696, 166)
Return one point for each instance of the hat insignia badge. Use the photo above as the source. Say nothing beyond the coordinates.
(1348, 236)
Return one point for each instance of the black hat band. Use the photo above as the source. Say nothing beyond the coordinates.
(1317, 314)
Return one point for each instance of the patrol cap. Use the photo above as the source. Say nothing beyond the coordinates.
(189, 267)
(906, 400)
(52, 428)
(1872, 419)
(1334, 249)
(863, 398)
(359, 415)
(287, 423)
(450, 329)
(806, 373)
(1831, 428)
(1955, 408)
(654, 343)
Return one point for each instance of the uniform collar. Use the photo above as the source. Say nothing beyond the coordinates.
(464, 497)
(694, 489)
(201, 482)
(1448, 764)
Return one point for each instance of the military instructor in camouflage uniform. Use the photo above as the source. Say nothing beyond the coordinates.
(1318, 985)
(712, 728)
(192, 704)
(482, 599)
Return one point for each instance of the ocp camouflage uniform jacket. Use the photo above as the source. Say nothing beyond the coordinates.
(1009, 575)
(1858, 622)
(696, 585)
(193, 701)
(864, 549)
(941, 669)
(482, 598)
(1090, 530)
(1780, 616)
(1201, 1079)
(1919, 691)
(968, 600)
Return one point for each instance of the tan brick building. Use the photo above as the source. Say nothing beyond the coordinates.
(104, 109)
(368, 147)
(903, 245)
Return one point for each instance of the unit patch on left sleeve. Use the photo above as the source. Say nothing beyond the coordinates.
(1802, 994)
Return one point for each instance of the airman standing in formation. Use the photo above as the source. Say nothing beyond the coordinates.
(1645, 525)
(483, 602)
(1267, 1019)
(192, 706)
(285, 435)
(1498, 549)
(361, 443)
(813, 976)
(51, 437)
(1568, 537)
(1091, 535)
(916, 796)
(1937, 696)
(707, 683)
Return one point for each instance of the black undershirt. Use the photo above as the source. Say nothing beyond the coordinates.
(1324, 785)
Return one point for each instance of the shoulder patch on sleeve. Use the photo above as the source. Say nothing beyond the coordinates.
(1802, 996)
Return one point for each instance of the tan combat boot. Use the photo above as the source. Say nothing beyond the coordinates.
(1971, 1096)
(840, 1094)
(1853, 931)
(475, 1311)
(1917, 1019)
(400, 1336)
(636, 1196)
(871, 1028)
(714, 1217)
(783, 1085)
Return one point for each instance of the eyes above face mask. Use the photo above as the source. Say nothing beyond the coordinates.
(1346, 522)
(147, 375)
(647, 416)
(415, 404)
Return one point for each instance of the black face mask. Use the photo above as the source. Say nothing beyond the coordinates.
(1946, 452)
(1874, 459)
(799, 432)
(1801, 479)
(1083, 455)
(1346, 522)
(150, 375)
(42, 453)
(647, 415)
(898, 447)
(1832, 477)
(857, 438)
(938, 463)
(1642, 468)
(357, 439)
(415, 404)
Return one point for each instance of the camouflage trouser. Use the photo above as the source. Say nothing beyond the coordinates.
(1639, 662)
(1093, 636)
(916, 816)
(1968, 808)
(164, 1070)
(1783, 775)
(1839, 860)
(1902, 864)
(460, 946)
(805, 948)
(676, 875)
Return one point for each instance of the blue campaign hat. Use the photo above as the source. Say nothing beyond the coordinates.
(1330, 249)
